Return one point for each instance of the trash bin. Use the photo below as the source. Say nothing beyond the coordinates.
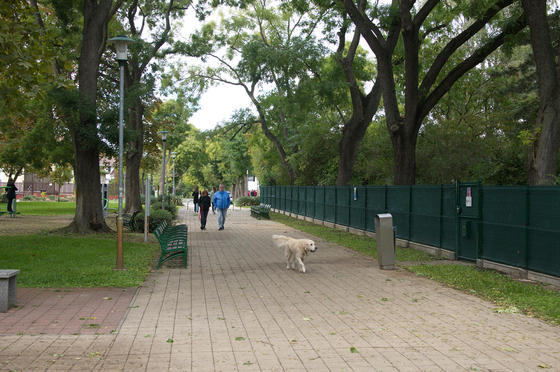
(385, 236)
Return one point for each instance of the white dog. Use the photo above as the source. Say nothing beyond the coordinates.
(295, 249)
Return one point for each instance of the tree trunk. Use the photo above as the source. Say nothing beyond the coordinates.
(543, 156)
(404, 153)
(363, 110)
(136, 67)
(133, 187)
(89, 213)
(349, 144)
(421, 98)
(279, 147)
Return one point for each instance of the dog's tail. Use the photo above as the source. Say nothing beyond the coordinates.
(279, 240)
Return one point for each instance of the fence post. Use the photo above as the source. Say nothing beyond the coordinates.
(440, 215)
(527, 200)
(409, 211)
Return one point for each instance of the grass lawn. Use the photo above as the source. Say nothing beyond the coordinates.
(49, 261)
(41, 208)
(508, 294)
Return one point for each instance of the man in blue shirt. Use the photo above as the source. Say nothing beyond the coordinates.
(222, 203)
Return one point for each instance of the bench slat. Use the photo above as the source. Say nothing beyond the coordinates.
(173, 242)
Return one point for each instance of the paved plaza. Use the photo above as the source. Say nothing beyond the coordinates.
(237, 308)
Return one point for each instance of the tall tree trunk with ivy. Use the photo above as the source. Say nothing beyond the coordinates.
(89, 212)
(543, 154)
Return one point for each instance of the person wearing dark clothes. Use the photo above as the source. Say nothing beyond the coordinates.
(204, 203)
(11, 193)
(195, 196)
(212, 193)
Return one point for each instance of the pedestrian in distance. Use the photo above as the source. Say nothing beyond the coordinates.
(10, 193)
(212, 193)
(222, 203)
(195, 196)
(204, 203)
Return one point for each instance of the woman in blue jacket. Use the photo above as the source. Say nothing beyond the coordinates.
(222, 203)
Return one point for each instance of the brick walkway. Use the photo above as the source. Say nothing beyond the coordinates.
(237, 308)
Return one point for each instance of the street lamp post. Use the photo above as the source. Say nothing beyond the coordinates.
(121, 43)
(173, 154)
(164, 138)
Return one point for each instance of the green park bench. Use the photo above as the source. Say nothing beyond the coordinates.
(265, 211)
(173, 242)
(255, 211)
(262, 210)
(129, 220)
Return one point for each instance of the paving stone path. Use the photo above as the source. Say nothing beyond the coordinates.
(237, 308)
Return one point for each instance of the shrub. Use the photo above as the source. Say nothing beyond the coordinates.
(168, 207)
(27, 198)
(177, 200)
(247, 200)
(157, 216)
(52, 197)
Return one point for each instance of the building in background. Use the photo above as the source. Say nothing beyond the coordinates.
(253, 186)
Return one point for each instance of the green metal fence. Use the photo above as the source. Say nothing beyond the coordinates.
(513, 225)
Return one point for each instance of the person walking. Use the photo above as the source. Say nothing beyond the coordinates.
(222, 203)
(212, 193)
(10, 193)
(204, 203)
(195, 196)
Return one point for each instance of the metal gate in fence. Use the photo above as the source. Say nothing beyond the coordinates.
(468, 221)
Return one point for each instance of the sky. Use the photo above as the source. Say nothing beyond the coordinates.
(218, 104)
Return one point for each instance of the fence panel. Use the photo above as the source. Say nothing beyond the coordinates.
(376, 203)
(520, 226)
(544, 230)
(270, 196)
(319, 203)
(330, 204)
(398, 204)
(425, 215)
(310, 201)
(358, 207)
(343, 205)
(263, 194)
(294, 202)
(503, 225)
(301, 210)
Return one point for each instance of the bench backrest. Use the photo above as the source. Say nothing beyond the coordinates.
(158, 232)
